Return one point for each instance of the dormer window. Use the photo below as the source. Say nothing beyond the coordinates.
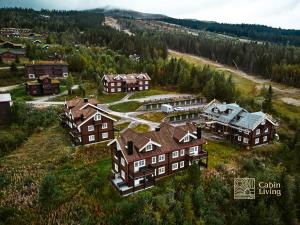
(149, 148)
(97, 117)
(263, 122)
(215, 110)
(186, 139)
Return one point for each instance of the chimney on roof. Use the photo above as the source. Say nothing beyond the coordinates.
(86, 100)
(199, 133)
(130, 147)
(82, 117)
(157, 129)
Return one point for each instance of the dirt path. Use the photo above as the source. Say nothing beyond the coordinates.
(9, 88)
(260, 81)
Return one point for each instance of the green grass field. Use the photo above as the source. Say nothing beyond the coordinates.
(122, 126)
(154, 116)
(221, 153)
(109, 98)
(20, 94)
(141, 128)
(130, 106)
(143, 94)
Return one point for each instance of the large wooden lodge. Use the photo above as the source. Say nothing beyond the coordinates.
(238, 125)
(86, 122)
(113, 83)
(138, 159)
(54, 69)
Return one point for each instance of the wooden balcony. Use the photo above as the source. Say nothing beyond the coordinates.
(198, 158)
(75, 132)
(143, 171)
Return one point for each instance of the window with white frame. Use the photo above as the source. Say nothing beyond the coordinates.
(112, 90)
(174, 154)
(267, 130)
(122, 161)
(174, 166)
(92, 138)
(239, 138)
(116, 157)
(104, 135)
(153, 159)
(161, 170)
(265, 138)
(245, 140)
(247, 132)
(141, 82)
(257, 131)
(181, 164)
(146, 82)
(116, 167)
(123, 174)
(139, 164)
(97, 117)
(186, 139)
(65, 74)
(161, 158)
(256, 140)
(146, 87)
(119, 89)
(149, 147)
(91, 128)
(194, 150)
(263, 122)
(104, 125)
(119, 84)
(141, 88)
(112, 84)
(31, 76)
(182, 151)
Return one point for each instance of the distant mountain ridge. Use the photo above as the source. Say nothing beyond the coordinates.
(128, 13)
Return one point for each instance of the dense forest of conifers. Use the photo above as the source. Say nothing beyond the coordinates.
(49, 20)
(251, 31)
(275, 62)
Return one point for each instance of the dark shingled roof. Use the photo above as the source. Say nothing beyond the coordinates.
(168, 137)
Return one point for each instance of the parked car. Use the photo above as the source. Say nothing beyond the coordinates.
(178, 109)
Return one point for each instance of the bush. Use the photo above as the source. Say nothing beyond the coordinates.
(49, 196)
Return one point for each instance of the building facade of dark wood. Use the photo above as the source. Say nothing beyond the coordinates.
(138, 159)
(114, 83)
(44, 85)
(54, 69)
(239, 126)
(14, 32)
(10, 51)
(5, 103)
(87, 123)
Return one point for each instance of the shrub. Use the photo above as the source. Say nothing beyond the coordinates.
(49, 195)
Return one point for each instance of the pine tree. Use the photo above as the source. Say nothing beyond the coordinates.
(69, 83)
(267, 103)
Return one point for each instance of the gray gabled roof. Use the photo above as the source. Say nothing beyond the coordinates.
(235, 115)
(224, 112)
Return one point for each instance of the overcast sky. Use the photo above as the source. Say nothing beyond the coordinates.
(276, 13)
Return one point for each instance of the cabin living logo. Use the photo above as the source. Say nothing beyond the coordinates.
(244, 188)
